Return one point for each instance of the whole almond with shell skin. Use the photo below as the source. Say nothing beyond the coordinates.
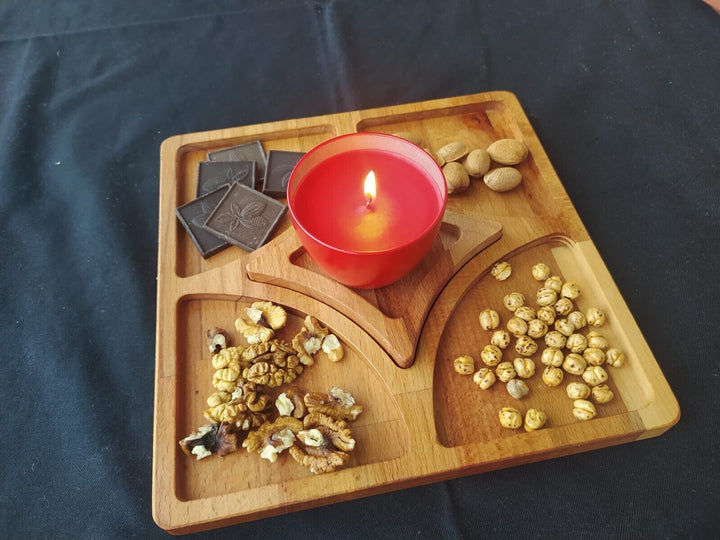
(477, 162)
(508, 151)
(456, 177)
(453, 151)
(502, 178)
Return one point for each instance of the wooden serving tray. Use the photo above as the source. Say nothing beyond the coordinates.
(421, 424)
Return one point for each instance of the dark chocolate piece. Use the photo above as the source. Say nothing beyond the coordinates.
(252, 151)
(245, 217)
(279, 166)
(193, 215)
(215, 174)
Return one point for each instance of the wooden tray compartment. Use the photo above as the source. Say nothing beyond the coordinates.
(421, 424)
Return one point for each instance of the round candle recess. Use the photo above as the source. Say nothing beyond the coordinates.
(367, 240)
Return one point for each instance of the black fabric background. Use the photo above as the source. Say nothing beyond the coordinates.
(624, 98)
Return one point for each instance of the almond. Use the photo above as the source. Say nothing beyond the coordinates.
(456, 177)
(508, 151)
(477, 162)
(502, 178)
(453, 151)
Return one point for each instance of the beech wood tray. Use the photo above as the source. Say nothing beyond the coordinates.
(422, 422)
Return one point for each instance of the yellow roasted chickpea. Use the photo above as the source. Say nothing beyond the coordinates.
(554, 283)
(594, 375)
(484, 378)
(577, 343)
(525, 346)
(526, 313)
(505, 371)
(547, 314)
(517, 327)
(489, 319)
(537, 329)
(510, 418)
(491, 355)
(595, 317)
(594, 356)
(574, 364)
(614, 357)
(553, 376)
(500, 338)
(602, 394)
(534, 419)
(584, 409)
(464, 365)
(577, 390)
(514, 300)
(552, 356)
(564, 307)
(524, 367)
(540, 271)
(570, 290)
(546, 297)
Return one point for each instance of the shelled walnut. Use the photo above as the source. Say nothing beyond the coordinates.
(272, 364)
(271, 438)
(336, 404)
(215, 439)
(216, 339)
(248, 408)
(323, 443)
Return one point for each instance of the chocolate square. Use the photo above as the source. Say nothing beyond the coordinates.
(245, 217)
(215, 174)
(252, 151)
(193, 215)
(277, 173)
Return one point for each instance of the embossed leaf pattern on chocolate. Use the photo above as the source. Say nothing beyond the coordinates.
(249, 216)
(237, 176)
(285, 170)
(199, 220)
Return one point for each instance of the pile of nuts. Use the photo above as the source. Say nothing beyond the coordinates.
(253, 405)
(572, 347)
(494, 164)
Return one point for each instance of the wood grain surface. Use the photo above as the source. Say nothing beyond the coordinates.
(422, 421)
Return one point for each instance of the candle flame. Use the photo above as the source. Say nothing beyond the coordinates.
(370, 189)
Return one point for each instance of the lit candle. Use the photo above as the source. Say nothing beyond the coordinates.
(367, 207)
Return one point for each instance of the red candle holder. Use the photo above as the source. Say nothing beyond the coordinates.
(367, 240)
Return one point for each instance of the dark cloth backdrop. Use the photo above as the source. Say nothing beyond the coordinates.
(623, 95)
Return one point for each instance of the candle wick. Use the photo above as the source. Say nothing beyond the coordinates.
(368, 202)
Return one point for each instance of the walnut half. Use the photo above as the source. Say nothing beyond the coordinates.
(271, 438)
(211, 439)
(323, 443)
(337, 404)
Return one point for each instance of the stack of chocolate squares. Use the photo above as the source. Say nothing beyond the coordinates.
(234, 201)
